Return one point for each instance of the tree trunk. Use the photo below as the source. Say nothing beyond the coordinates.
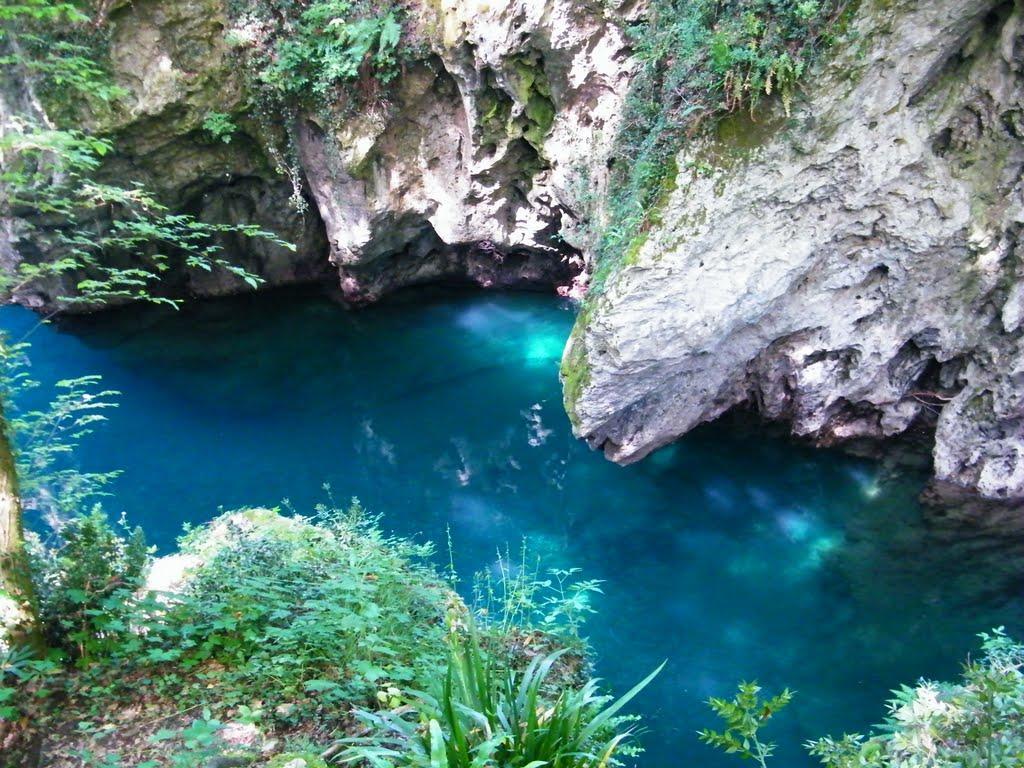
(19, 620)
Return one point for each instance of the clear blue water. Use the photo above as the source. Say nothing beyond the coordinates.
(733, 554)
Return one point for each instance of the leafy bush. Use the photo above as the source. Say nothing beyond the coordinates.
(485, 716)
(86, 585)
(314, 613)
(302, 53)
(976, 722)
(332, 43)
(700, 60)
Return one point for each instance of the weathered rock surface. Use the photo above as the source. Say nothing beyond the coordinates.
(472, 170)
(855, 271)
(479, 173)
(173, 62)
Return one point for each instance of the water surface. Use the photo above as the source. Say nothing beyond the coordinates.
(733, 554)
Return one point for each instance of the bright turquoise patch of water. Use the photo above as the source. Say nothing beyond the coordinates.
(732, 554)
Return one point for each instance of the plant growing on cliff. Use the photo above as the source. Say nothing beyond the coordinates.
(334, 42)
(219, 126)
(310, 54)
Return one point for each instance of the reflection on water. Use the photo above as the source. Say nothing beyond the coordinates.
(733, 554)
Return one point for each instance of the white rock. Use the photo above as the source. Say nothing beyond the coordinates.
(866, 251)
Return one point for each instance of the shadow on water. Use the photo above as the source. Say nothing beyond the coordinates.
(735, 553)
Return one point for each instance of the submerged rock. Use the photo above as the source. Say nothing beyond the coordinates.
(851, 271)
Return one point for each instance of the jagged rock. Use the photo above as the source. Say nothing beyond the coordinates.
(850, 271)
(480, 166)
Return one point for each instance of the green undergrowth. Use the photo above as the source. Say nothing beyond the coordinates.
(310, 631)
(700, 61)
(977, 722)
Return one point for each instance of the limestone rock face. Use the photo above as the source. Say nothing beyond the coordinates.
(476, 172)
(470, 170)
(850, 270)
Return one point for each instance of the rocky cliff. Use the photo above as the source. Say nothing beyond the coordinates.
(850, 269)
(469, 168)
(853, 270)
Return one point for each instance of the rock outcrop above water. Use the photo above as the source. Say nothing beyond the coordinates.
(851, 271)
(470, 170)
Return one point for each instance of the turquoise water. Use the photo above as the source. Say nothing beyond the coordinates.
(733, 554)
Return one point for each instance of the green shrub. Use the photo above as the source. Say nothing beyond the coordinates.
(86, 585)
(331, 44)
(316, 613)
(486, 716)
(220, 126)
(307, 52)
(744, 715)
(978, 722)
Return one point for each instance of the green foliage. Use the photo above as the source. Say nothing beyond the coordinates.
(700, 60)
(485, 716)
(219, 126)
(308, 616)
(744, 716)
(332, 45)
(976, 723)
(24, 681)
(305, 52)
(40, 11)
(517, 597)
(195, 744)
(317, 613)
(49, 174)
(86, 584)
(46, 439)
